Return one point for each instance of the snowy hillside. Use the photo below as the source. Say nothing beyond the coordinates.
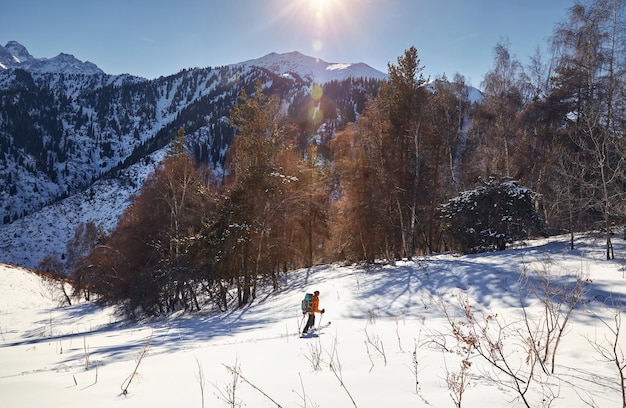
(26, 241)
(23, 290)
(390, 343)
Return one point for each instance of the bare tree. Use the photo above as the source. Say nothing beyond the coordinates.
(490, 338)
(366, 208)
(559, 298)
(52, 268)
(495, 121)
(589, 82)
(86, 237)
(610, 346)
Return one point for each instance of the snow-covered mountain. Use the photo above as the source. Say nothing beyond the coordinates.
(15, 55)
(313, 69)
(76, 144)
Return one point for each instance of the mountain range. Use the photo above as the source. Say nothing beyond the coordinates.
(77, 143)
(15, 55)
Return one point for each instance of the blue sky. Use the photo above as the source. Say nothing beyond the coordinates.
(151, 38)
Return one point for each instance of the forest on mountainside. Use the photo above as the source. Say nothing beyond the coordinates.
(421, 170)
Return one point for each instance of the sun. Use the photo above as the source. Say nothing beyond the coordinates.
(320, 4)
(324, 23)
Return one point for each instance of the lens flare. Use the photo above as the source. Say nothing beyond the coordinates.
(316, 115)
(317, 92)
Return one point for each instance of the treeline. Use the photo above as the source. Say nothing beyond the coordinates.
(422, 169)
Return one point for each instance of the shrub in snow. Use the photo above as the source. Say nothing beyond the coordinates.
(490, 216)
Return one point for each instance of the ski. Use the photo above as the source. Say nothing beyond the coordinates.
(314, 330)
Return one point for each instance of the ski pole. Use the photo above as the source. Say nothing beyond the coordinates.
(320, 323)
(301, 321)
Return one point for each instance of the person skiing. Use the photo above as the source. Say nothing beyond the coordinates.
(314, 309)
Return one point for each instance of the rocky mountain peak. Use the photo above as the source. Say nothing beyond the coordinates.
(18, 51)
(15, 55)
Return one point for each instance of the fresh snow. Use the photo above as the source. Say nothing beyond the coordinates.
(83, 355)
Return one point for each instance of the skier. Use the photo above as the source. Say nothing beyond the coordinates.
(314, 309)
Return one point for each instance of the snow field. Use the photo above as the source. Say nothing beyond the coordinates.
(84, 355)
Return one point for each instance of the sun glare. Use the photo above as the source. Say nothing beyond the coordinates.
(322, 14)
(320, 3)
(325, 23)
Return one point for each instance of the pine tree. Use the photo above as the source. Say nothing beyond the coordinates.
(403, 98)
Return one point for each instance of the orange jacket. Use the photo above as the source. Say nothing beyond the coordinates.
(315, 304)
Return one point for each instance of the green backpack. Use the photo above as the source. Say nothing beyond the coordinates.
(307, 303)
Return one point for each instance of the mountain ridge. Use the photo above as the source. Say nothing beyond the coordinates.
(15, 55)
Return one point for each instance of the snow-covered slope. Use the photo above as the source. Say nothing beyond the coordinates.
(26, 241)
(313, 69)
(21, 289)
(390, 343)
